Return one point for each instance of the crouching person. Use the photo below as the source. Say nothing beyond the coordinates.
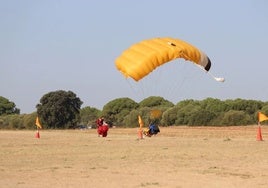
(153, 129)
(102, 127)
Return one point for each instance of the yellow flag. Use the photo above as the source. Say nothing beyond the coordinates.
(140, 122)
(37, 123)
(262, 117)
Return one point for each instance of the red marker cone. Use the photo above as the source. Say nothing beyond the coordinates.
(37, 135)
(259, 136)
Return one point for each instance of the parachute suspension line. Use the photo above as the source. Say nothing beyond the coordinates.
(151, 86)
(176, 90)
(176, 84)
(137, 89)
(156, 81)
(142, 90)
(132, 88)
(159, 79)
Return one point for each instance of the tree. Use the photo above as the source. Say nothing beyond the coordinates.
(169, 116)
(213, 105)
(235, 117)
(116, 110)
(59, 109)
(154, 101)
(185, 110)
(12, 121)
(88, 115)
(131, 120)
(7, 107)
(201, 117)
(29, 120)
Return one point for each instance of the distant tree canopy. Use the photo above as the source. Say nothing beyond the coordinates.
(207, 112)
(88, 115)
(155, 101)
(116, 110)
(59, 109)
(7, 107)
(211, 112)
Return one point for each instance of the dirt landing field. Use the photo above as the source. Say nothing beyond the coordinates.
(179, 157)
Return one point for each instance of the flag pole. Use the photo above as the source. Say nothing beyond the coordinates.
(259, 135)
(141, 123)
(37, 134)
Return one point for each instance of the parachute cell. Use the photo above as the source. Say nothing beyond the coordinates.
(142, 58)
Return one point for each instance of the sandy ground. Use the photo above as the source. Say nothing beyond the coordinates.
(179, 157)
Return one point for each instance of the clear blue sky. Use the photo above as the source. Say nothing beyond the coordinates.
(72, 45)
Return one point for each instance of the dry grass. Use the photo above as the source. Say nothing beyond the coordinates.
(178, 157)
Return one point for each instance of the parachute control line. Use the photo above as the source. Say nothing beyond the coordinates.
(218, 79)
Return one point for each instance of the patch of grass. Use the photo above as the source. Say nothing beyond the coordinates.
(227, 139)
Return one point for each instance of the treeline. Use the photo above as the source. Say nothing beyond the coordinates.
(123, 112)
(18, 121)
(207, 112)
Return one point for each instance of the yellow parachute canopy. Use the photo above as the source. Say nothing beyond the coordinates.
(142, 58)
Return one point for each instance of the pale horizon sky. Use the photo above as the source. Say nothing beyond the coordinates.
(72, 45)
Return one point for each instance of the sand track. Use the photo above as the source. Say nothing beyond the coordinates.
(178, 157)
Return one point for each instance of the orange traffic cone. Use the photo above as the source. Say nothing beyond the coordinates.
(37, 135)
(140, 135)
(259, 136)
